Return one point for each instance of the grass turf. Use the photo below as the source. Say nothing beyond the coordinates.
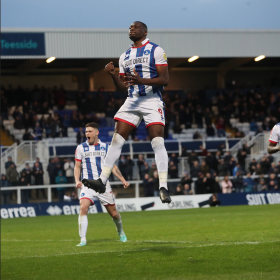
(241, 242)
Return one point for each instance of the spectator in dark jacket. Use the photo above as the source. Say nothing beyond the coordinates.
(23, 181)
(9, 163)
(148, 185)
(28, 171)
(199, 184)
(222, 168)
(12, 175)
(195, 170)
(130, 164)
(123, 166)
(238, 182)
(52, 170)
(5, 194)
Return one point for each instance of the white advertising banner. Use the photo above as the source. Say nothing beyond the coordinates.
(154, 203)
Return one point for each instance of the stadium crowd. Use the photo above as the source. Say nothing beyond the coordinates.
(211, 110)
(207, 109)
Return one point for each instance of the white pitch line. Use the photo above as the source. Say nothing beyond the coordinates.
(147, 249)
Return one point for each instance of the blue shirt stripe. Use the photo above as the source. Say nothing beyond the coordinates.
(138, 69)
(89, 170)
(98, 160)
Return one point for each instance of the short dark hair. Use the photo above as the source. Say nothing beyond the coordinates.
(93, 125)
(143, 24)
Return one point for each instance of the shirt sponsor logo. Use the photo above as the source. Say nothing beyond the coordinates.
(95, 154)
(137, 60)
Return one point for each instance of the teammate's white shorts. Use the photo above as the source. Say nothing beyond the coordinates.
(134, 109)
(106, 199)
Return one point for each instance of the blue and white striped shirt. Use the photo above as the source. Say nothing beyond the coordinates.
(92, 158)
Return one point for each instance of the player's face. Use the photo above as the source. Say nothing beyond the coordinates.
(92, 135)
(136, 31)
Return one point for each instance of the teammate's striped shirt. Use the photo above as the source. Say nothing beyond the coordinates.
(92, 158)
(275, 134)
(144, 59)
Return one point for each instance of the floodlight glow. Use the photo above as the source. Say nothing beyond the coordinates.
(50, 59)
(193, 58)
(260, 57)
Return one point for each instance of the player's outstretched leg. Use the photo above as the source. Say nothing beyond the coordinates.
(161, 158)
(113, 154)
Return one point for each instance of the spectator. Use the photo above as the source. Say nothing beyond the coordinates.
(197, 135)
(186, 179)
(210, 161)
(152, 170)
(195, 170)
(38, 131)
(156, 183)
(123, 166)
(38, 176)
(199, 184)
(23, 181)
(27, 136)
(231, 165)
(148, 185)
(173, 170)
(12, 175)
(5, 194)
(203, 151)
(214, 201)
(28, 171)
(209, 183)
(38, 161)
(217, 186)
(187, 190)
(147, 169)
(204, 168)
(228, 157)
(9, 163)
(252, 166)
(130, 164)
(248, 183)
(184, 152)
(69, 170)
(210, 131)
(141, 166)
(262, 186)
(192, 158)
(178, 190)
(18, 124)
(238, 182)
(241, 157)
(258, 170)
(265, 164)
(226, 185)
(272, 182)
(221, 127)
(222, 168)
(52, 170)
(60, 179)
(175, 159)
(273, 168)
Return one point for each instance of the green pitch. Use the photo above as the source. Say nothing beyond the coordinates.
(240, 242)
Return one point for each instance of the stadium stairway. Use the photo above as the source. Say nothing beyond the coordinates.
(6, 140)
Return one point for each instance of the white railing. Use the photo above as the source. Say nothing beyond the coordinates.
(49, 187)
(239, 145)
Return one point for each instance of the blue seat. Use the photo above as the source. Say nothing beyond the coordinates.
(232, 142)
(142, 147)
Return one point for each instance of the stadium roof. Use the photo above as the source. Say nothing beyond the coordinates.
(177, 43)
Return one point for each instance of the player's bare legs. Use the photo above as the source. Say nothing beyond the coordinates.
(83, 220)
(156, 133)
(112, 211)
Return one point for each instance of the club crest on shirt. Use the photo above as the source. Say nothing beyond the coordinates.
(82, 194)
(86, 149)
(147, 52)
(103, 148)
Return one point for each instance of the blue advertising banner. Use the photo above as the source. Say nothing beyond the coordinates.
(46, 209)
(249, 198)
(22, 44)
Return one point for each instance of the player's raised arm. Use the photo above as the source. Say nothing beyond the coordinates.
(272, 147)
(77, 173)
(119, 175)
(118, 81)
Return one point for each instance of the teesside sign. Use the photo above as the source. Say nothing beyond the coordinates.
(22, 44)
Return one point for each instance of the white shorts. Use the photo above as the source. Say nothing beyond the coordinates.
(106, 199)
(134, 109)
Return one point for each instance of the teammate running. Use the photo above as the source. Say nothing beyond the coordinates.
(274, 139)
(143, 74)
(89, 159)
